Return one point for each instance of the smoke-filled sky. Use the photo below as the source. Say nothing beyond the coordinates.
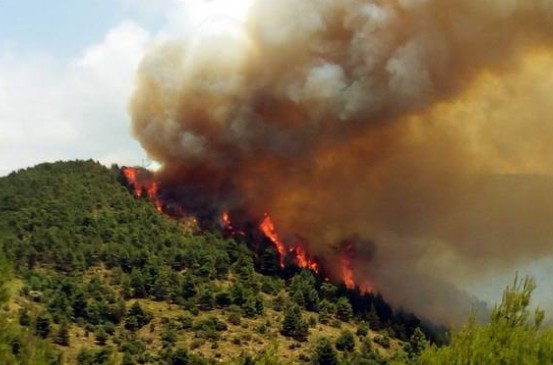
(421, 125)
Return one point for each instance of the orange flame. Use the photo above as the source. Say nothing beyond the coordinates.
(347, 273)
(140, 187)
(366, 287)
(268, 228)
(144, 185)
(303, 260)
(347, 252)
(130, 175)
(226, 221)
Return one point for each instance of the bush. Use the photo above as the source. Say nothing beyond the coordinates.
(324, 354)
(137, 318)
(24, 317)
(101, 336)
(197, 343)
(383, 341)
(344, 311)
(109, 328)
(262, 329)
(42, 325)
(235, 318)
(346, 341)
(362, 330)
(62, 337)
(186, 322)
(294, 325)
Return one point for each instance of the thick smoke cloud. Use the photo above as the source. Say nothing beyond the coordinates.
(420, 125)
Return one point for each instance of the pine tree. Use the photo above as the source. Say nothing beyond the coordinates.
(189, 289)
(62, 336)
(291, 321)
(136, 317)
(344, 311)
(512, 337)
(138, 284)
(42, 325)
(293, 324)
(324, 353)
(79, 304)
(101, 336)
(417, 343)
(363, 329)
(346, 341)
(206, 301)
(180, 357)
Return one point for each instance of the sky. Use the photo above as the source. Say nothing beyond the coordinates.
(66, 74)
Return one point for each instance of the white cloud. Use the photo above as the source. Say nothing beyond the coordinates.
(53, 109)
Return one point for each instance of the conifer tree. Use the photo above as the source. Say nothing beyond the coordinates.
(324, 353)
(62, 336)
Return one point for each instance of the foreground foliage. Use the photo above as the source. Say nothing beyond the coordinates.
(512, 337)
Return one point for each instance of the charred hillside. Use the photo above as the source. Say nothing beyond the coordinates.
(103, 275)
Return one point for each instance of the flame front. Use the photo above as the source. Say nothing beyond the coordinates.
(141, 187)
(130, 174)
(303, 260)
(347, 252)
(347, 273)
(268, 228)
(142, 184)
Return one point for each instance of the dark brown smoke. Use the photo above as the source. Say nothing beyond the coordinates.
(420, 125)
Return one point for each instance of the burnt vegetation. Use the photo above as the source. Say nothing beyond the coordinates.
(99, 276)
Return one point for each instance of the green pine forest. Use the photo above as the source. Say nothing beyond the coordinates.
(90, 274)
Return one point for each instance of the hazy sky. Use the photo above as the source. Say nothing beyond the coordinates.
(66, 72)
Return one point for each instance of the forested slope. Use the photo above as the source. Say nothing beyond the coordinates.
(107, 279)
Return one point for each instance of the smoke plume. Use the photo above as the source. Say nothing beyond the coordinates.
(421, 126)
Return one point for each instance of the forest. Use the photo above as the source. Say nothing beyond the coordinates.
(90, 274)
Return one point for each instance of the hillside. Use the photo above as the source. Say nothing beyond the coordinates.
(106, 279)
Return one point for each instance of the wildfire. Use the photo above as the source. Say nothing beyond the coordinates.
(226, 221)
(142, 187)
(347, 273)
(366, 287)
(303, 260)
(268, 228)
(130, 175)
(299, 252)
(347, 252)
(142, 184)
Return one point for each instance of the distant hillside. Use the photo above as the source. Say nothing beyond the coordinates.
(107, 279)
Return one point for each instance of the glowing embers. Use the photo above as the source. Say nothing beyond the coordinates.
(227, 223)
